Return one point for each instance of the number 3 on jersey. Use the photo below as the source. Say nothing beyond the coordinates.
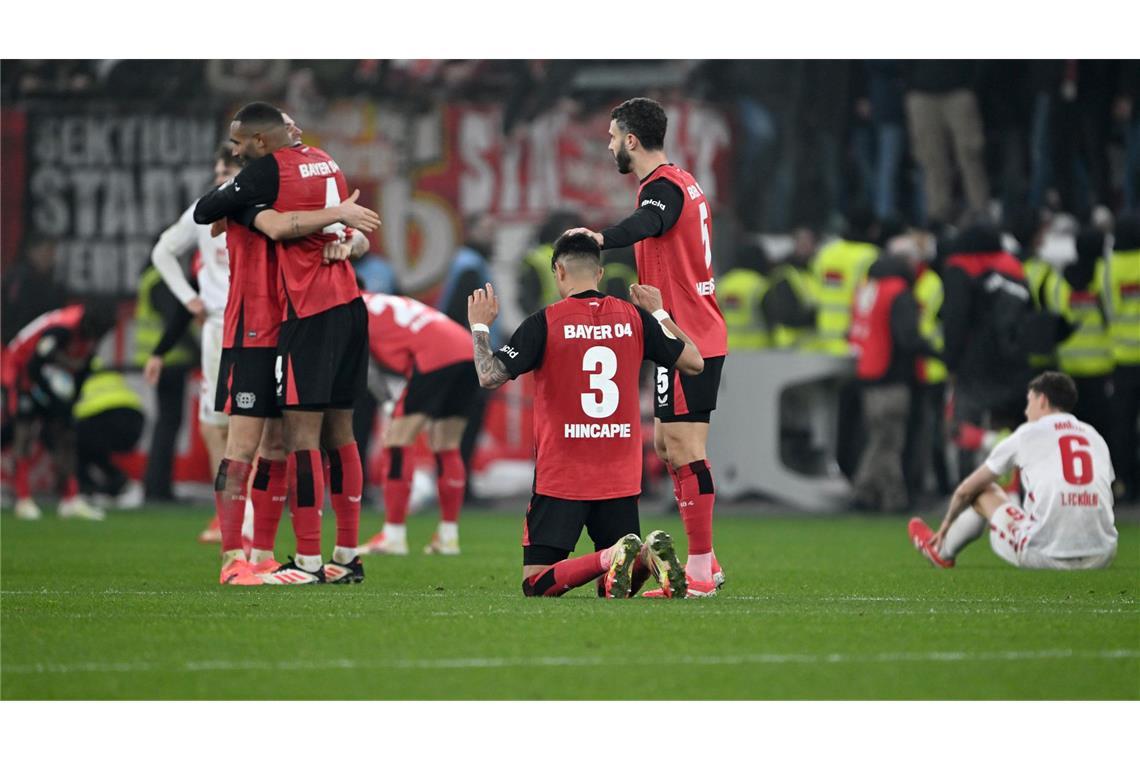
(601, 364)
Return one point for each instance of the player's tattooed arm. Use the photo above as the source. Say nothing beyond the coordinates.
(492, 372)
(482, 308)
(277, 225)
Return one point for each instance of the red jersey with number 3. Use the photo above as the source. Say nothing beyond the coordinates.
(679, 264)
(309, 180)
(404, 334)
(587, 412)
(253, 304)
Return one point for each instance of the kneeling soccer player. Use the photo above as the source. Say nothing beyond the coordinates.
(586, 352)
(1066, 522)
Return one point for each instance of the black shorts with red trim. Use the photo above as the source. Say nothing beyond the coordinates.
(446, 392)
(245, 384)
(322, 360)
(552, 526)
(687, 398)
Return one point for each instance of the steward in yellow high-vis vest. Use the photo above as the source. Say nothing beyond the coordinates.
(149, 324)
(538, 287)
(928, 293)
(790, 306)
(108, 419)
(740, 293)
(838, 269)
(1086, 355)
(1120, 276)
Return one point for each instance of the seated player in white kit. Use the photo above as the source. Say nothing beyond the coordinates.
(1066, 522)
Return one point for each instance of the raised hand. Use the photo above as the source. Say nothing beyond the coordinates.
(646, 296)
(482, 306)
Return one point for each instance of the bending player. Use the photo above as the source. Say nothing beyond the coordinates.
(586, 352)
(1067, 520)
(671, 234)
(434, 354)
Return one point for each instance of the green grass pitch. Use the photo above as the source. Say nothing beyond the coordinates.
(814, 608)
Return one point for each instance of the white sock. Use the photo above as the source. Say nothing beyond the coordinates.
(448, 531)
(395, 532)
(308, 563)
(968, 526)
(699, 567)
(247, 519)
(259, 555)
(344, 554)
(231, 555)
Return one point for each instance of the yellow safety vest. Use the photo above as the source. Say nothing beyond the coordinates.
(539, 261)
(1121, 282)
(785, 336)
(929, 294)
(839, 268)
(739, 293)
(615, 271)
(149, 325)
(1036, 273)
(1088, 351)
(102, 392)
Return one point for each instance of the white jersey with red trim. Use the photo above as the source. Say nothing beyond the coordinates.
(181, 238)
(1067, 474)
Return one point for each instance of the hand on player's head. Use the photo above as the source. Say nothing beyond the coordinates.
(597, 236)
(482, 306)
(646, 296)
(359, 217)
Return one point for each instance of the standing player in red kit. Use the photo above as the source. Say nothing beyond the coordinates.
(671, 232)
(586, 352)
(434, 354)
(321, 358)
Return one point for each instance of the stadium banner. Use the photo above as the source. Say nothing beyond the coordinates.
(104, 183)
(428, 173)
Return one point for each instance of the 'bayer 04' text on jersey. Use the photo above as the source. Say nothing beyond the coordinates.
(586, 353)
(309, 180)
(679, 264)
(1067, 474)
(406, 335)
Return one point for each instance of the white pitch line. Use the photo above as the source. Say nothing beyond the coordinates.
(478, 663)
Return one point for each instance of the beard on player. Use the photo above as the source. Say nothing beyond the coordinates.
(623, 160)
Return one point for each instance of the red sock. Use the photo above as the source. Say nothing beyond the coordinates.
(451, 484)
(397, 484)
(346, 483)
(562, 576)
(268, 496)
(71, 487)
(229, 500)
(307, 492)
(695, 497)
(21, 481)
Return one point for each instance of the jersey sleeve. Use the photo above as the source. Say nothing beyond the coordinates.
(658, 209)
(1003, 457)
(180, 237)
(256, 186)
(661, 348)
(524, 352)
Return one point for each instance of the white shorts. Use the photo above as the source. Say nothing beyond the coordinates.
(211, 360)
(1011, 536)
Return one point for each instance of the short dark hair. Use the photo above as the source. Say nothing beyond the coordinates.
(577, 246)
(225, 154)
(645, 118)
(259, 115)
(1058, 388)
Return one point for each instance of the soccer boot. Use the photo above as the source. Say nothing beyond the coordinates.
(439, 546)
(718, 573)
(619, 578)
(212, 534)
(78, 509)
(233, 569)
(666, 568)
(696, 589)
(381, 544)
(27, 509)
(352, 572)
(920, 534)
(289, 574)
